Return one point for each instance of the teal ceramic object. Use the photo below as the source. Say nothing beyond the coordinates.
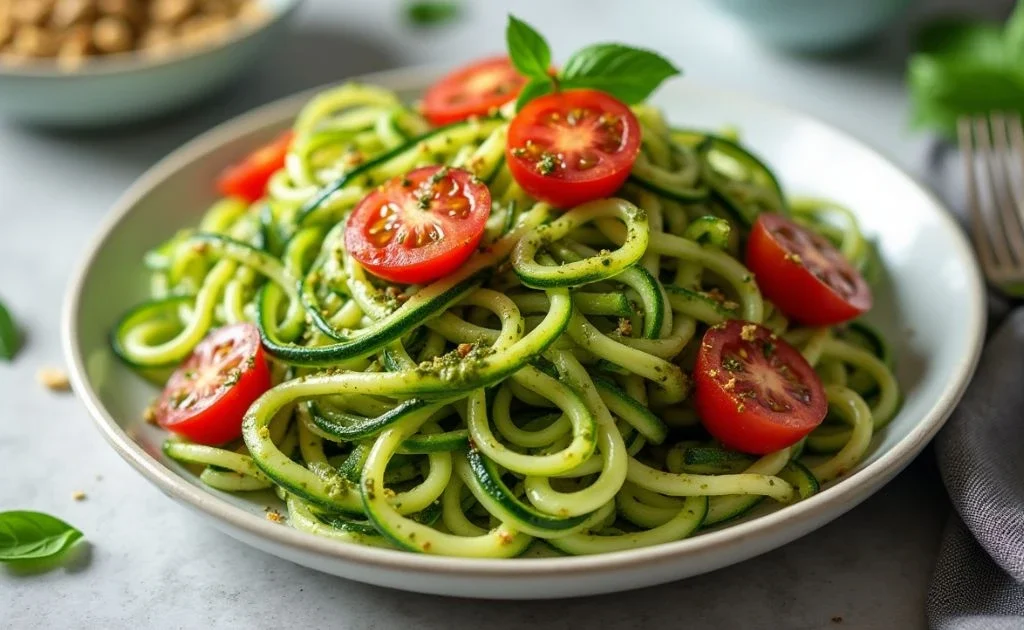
(131, 87)
(813, 25)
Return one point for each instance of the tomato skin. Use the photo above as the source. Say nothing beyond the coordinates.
(215, 406)
(780, 262)
(394, 236)
(248, 179)
(728, 400)
(547, 129)
(473, 90)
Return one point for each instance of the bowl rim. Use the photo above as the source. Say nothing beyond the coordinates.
(132, 61)
(837, 498)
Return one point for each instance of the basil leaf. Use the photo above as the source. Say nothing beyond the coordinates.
(1013, 34)
(33, 536)
(953, 38)
(533, 89)
(528, 50)
(8, 335)
(629, 74)
(430, 13)
(944, 89)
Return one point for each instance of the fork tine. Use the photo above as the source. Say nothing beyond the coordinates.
(1002, 173)
(989, 204)
(979, 232)
(1015, 163)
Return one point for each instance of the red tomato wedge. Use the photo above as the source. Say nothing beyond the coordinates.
(474, 90)
(207, 396)
(571, 147)
(803, 274)
(248, 179)
(753, 391)
(419, 227)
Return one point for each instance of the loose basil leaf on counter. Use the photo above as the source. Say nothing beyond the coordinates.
(8, 335)
(528, 50)
(26, 536)
(431, 13)
(629, 74)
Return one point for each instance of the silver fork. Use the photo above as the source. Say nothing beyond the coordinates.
(993, 152)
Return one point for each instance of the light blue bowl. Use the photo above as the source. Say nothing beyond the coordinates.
(131, 87)
(813, 25)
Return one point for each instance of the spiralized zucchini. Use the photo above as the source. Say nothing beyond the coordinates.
(541, 392)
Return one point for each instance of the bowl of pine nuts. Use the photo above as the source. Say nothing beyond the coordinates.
(103, 62)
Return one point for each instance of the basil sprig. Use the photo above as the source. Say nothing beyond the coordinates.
(962, 66)
(8, 335)
(629, 74)
(33, 536)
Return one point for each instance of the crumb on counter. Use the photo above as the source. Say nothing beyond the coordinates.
(78, 495)
(54, 379)
(837, 619)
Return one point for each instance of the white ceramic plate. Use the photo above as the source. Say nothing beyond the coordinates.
(931, 308)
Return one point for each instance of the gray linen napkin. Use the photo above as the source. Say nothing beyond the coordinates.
(978, 582)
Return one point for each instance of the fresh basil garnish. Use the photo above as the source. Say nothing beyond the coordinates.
(528, 50)
(533, 89)
(629, 74)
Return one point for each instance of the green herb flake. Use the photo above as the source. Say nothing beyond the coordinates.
(33, 536)
(431, 12)
(9, 338)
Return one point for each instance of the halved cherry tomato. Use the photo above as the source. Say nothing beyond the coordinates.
(753, 391)
(248, 178)
(474, 90)
(419, 227)
(207, 396)
(574, 146)
(803, 274)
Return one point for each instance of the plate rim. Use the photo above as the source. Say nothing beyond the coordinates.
(839, 498)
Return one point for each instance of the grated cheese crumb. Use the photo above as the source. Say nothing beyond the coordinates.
(748, 332)
(275, 516)
(54, 379)
(625, 327)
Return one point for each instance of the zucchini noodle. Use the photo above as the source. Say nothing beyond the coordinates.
(541, 392)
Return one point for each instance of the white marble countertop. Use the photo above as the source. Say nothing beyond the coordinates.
(153, 564)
